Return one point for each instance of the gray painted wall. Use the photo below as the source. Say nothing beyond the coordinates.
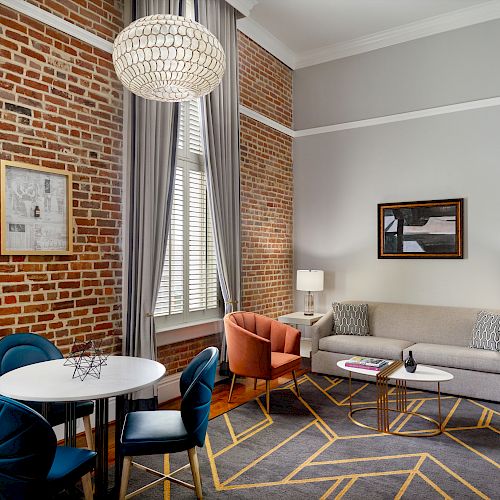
(449, 68)
(340, 177)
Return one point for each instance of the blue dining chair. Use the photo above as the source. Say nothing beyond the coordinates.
(31, 463)
(21, 349)
(170, 431)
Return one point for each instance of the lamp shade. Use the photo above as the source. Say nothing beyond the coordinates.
(310, 280)
(168, 58)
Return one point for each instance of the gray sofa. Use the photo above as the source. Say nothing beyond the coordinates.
(437, 336)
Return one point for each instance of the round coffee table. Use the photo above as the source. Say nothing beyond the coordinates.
(397, 373)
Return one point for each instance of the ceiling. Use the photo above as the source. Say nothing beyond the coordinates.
(305, 32)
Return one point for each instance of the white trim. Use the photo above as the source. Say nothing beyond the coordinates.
(460, 18)
(191, 331)
(267, 41)
(58, 23)
(266, 121)
(399, 117)
(243, 6)
(412, 31)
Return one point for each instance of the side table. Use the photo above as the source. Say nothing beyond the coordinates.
(299, 318)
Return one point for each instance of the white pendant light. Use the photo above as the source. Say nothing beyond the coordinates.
(168, 58)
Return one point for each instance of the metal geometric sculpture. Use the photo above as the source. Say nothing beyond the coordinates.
(87, 358)
(168, 58)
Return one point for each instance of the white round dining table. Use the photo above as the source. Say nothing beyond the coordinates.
(53, 381)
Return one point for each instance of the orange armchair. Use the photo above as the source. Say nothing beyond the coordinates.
(261, 347)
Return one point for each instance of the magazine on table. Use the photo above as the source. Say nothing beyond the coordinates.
(367, 363)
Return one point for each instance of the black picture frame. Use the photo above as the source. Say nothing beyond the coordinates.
(430, 229)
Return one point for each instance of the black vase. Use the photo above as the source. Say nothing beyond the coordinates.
(410, 363)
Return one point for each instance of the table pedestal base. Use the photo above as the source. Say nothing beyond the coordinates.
(383, 411)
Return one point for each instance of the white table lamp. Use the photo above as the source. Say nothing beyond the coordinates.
(309, 281)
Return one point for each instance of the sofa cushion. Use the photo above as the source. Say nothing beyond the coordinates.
(456, 357)
(486, 331)
(354, 345)
(350, 319)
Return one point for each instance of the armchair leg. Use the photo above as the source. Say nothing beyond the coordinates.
(295, 382)
(88, 432)
(87, 487)
(232, 387)
(268, 391)
(127, 463)
(195, 470)
(255, 384)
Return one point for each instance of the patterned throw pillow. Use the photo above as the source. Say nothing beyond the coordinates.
(350, 319)
(486, 332)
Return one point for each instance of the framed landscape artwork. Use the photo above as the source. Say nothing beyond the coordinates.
(36, 210)
(421, 229)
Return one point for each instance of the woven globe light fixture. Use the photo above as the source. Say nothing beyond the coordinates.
(168, 58)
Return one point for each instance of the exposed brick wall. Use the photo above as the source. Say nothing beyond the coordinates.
(265, 82)
(266, 183)
(101, 17)
(176, 356)
(61, 107)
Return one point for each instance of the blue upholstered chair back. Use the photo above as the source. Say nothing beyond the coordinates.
(21, 349)
(196, 384)
(27, 449)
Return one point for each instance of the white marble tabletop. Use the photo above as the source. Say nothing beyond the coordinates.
(52, 381)
(423, 373)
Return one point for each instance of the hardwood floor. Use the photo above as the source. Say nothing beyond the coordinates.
(243, 392)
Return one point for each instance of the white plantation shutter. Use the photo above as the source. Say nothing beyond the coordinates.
(189, 287)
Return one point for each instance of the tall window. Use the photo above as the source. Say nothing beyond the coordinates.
(189, 286)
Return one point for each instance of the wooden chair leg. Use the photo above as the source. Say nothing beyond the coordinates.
(268, 391)
(127, 464)
(87, 487)
(295, 382)
(88, 432)
(195, 470)
(255, 384)
(232, 387)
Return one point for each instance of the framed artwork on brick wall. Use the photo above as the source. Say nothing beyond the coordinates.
(421, 229)
(36, 210)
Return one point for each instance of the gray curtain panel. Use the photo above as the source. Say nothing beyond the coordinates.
(151, 137)
(222, 147)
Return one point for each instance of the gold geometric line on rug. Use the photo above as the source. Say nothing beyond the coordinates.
(266, 422)
(357, 391)
(230, 428)
(331, 489)
(483, 406)
(410, 477)
(346, 488)
(308, 460)
(408, 417)
(470, 448)
(451, 412)
(265, 455)
(315, 479)
(368, 459)
(433, 485)
(482, 417)
(319, 419)
(457, 476)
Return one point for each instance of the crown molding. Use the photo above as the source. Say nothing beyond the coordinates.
(449, 21)
(461, 18)
(266, 40)
(58, 23)
(243, 6)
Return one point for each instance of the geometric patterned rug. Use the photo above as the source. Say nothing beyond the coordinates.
(309, 448)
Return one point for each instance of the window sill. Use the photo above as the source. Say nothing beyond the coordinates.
(188, 331)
